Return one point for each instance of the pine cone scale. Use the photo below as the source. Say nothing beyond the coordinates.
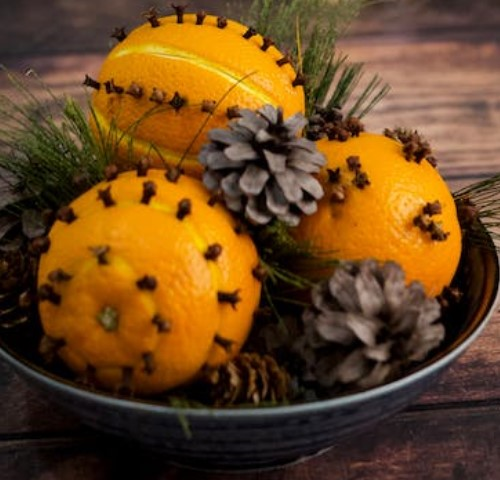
(334, 327)
(275, 161)
(289, 186)
(276, 201)
(231, 185)
(343, 289)
(255, 214)
(238, 152)
(370, 294)
(365, 329)
(218, 161)
(253, 180)
(223, 136)
(309, 184)
(307, 207)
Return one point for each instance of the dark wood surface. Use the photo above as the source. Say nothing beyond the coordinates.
(443, 62)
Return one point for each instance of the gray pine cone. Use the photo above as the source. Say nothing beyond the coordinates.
(366, 326)
(262, 168)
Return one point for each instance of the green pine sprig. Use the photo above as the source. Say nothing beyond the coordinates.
(331, 80)
(481, 201)
(338, 87)
(289, 266)
(331, 17)
(48, 153)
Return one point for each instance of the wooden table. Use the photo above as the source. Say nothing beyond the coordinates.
(443, 63)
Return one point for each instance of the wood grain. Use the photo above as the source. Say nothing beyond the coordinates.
(449, 444)
(448, 91)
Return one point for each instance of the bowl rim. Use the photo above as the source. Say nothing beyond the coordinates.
(317, 406)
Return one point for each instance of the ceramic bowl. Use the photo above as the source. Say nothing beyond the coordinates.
(256, 438)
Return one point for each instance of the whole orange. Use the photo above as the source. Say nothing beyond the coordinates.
(164, 87)
(379, 205)
(145, 282)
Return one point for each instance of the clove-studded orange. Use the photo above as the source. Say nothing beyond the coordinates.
(171, 80)
(379, 204)
(145, 281)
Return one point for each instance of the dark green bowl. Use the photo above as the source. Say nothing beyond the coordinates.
(251, 438)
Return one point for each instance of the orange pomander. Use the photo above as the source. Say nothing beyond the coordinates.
(146, 281)
(380, 205)
(166, 84)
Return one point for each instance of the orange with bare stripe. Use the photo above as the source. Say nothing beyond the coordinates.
(193, 63)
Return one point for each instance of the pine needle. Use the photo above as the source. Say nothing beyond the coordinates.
(346, 85)
(485, 196)
(288, 263)
(47, 148)
(319, 23)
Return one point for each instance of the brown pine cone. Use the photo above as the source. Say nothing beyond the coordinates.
(248, 378)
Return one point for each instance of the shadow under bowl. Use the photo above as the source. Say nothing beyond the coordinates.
(258, 438)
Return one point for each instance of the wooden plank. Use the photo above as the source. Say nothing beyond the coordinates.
(457, 19)
(448, 91)
(438, 445)
(25, 410)
(451, 444)
(474, 376)
(55, 26)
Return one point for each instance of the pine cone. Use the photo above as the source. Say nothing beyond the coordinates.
(366, 326)
(248, 378)
(262, 168)
(17, 273)
(14, 269)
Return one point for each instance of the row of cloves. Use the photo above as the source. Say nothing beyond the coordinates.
(152, 16)
(157, 96)
(135, 90)
(47, 292)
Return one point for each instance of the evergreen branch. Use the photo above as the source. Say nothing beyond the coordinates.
(319, 23)
(45, 144)
(274, 17)
(483, 198)
(289, 265)
(345, 88)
